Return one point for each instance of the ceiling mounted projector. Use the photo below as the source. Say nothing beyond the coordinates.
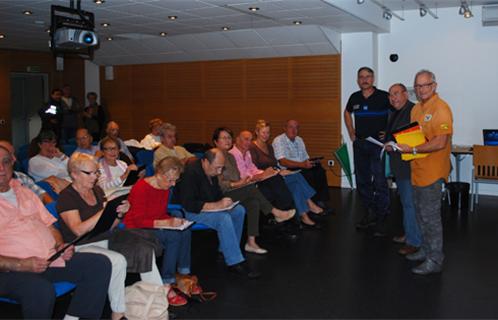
(74, 38)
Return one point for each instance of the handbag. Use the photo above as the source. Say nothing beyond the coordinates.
(146, 301)
(189, 286)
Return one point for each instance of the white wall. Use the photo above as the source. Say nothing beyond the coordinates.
(357, 50)
(464, 57)
(92, 78)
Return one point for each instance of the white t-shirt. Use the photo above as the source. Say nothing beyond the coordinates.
(10, 196)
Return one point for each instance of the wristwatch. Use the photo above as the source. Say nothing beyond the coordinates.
(414, 151)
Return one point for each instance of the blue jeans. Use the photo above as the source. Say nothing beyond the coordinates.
(229, 226)
(370, 177)
(176, 254)
(301, 191)
(412, 230)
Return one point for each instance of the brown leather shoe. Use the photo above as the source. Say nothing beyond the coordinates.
(407, 250)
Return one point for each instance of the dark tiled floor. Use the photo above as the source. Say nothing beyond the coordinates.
(338, 272)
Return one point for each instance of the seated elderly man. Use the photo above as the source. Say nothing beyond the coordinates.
(50, 164)
(23, 178)
(291, 153)
(167, 131)
(112, 131)
(27, 240)
(153, 139)
(201, 197)
(84, 141)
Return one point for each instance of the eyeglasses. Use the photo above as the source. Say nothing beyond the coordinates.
(424, 85)
(95, 173)
(169, 179)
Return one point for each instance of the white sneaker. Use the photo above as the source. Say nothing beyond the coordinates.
(250, 249)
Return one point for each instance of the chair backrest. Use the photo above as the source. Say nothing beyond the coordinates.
(485, 162)
(52, 208)
(145, 157)
(68, 149)
(48, 189)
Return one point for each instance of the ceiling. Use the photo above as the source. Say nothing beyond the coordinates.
(197, 33)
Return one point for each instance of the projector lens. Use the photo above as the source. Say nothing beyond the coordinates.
(88, 38)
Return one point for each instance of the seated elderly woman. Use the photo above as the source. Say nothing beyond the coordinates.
(50, 163)
(153, 139)
(80, 207)
(149, 209)
(113, 172)
(263, 157)
(167, 131)
(245, 191)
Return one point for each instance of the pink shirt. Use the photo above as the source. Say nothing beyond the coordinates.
(244, 163)
(24, 229)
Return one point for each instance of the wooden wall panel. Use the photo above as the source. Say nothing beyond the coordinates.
(199, 96)
(44, 62)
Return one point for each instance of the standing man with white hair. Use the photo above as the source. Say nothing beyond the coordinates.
(428, 174)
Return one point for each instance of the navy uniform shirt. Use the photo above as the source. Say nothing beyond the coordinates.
(370, 114)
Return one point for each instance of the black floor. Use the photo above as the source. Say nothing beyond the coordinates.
(338, 272)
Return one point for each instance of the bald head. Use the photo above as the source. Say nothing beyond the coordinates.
(112, 129)
(291, 129)
(243, 141)
(213, 162)
(83, 139)
(7, 145)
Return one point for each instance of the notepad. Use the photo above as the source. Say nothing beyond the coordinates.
(185, 225)
(230, 207)
(413, 136)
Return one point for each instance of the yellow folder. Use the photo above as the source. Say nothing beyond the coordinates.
(412, 138)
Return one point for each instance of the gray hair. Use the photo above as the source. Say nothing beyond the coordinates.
(427, 72)
(77, 159)
(166, 127)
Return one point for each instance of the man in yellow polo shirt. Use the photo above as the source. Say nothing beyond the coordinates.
(429, 173)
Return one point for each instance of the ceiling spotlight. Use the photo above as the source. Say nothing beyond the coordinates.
(253, 9)
(387, 15)
(99, 1)
(172, 17)
(109, 38)
(297, 22)
(423, 11)
(105, 24)
(27, 12)
(163, 34)
(360, 1)
(225, 28)
(2, 36)
(468, 14)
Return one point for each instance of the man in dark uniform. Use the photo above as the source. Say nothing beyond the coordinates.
(370, 107)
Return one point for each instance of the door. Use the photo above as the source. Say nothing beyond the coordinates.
(28, 93)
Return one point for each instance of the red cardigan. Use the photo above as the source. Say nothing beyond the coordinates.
(146, 205)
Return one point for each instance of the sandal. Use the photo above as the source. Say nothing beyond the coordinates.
(176, 300)
(196, 289)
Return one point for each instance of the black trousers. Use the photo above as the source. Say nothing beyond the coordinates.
(317, 179)
(35, 292)
(275, 190)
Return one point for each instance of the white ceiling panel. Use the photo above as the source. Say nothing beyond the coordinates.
(188, 42)
(215, 40)
(246, 38)
(294, 50)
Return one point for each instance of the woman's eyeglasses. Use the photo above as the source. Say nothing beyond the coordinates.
(95, 173)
